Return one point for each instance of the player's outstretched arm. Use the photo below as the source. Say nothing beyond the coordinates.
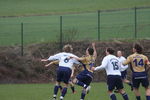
(44, 60)
(95, 52)
(52, 63)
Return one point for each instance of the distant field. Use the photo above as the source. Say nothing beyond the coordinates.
(118, 24)
(44, 91)
(32, 7)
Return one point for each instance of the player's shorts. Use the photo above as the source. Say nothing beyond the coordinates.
(85, 77)
(114, 81)
(63, 74)
(140, 78)
(124, 74)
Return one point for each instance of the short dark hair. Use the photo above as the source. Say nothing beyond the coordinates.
(138, 47)
(91, 51)
(110, 50)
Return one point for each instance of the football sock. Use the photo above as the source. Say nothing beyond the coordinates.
(113, 97)
(138, 98)
(64, 91)
(125, 96)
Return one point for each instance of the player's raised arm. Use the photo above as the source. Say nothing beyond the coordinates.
(95, 52)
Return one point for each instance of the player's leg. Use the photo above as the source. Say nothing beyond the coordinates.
(136, 84)
(111, 86)
(57, 85)
(79, 80)
(87, 81)
(129, 83)
(65, 78)
(145, 83)
(72, 86)
(119, 86)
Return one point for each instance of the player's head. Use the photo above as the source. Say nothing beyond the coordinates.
(119, 53)
(137, 48)
(67, 48)
(90, 51)
(110, 50)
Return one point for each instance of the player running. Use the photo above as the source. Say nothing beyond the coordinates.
(112, 66)
(56, 62)
(123, 71)
(85, 77)
(138, 63)
(65, 69)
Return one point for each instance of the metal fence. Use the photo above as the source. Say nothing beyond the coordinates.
(130, 23)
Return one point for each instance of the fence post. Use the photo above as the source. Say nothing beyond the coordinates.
(61, 39)
(22, 52)
(98, 25)
(135, 23)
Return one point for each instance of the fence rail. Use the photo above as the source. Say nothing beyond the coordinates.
(128, 23)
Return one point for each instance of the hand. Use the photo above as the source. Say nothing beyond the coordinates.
(43, 60)
(93, 44)
(71, 75)
(47, 65)
(93, 68)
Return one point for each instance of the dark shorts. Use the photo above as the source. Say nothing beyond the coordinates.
(85, 77)
(114, 81)
(140, 78)
(124, 74)
(63, 74)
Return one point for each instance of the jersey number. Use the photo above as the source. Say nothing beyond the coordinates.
(66, 60)
(115, 65)
(138, 63)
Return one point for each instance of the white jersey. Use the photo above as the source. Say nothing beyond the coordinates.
(111, 64)
(64, 60)
(122, 59)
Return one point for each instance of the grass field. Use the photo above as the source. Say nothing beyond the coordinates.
(119, 24)
(44, 91)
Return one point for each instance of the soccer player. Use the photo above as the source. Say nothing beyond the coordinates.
(85, 77)
(124, 72)
(65, 69)
(138, 63)
(112, 66)
(56, 62)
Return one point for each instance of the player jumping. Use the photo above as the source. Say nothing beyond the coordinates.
(85, 77)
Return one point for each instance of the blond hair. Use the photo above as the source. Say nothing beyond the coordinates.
(67, 48)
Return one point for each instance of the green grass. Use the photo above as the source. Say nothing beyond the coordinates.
(113, 25)
(44, 91)
(32, 7)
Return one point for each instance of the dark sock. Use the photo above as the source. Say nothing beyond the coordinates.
(81, 84)
(56, 89)
(72, 88)
(64, 91)
(113, 97)
(138, 98)
(125, 96)
(83, 95)
(60, 87)
(147, 97)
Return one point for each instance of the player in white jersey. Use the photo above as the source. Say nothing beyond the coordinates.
(112, 66)
(65, 69)
(124, 71)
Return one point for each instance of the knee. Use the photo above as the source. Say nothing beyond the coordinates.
(148, 91)
(74, 81)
